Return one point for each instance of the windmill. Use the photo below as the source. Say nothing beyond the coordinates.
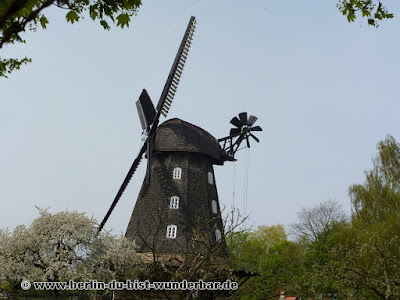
(179, 196)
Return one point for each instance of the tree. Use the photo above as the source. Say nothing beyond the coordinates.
(316, 220)
(61, 247)
(317, 276)
(369, 247)
(268, 253)
(369, 261)
(18, 15)
(373, 10)
(379, 197)
(248, 249)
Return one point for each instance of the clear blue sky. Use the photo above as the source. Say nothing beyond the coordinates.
(325, 92)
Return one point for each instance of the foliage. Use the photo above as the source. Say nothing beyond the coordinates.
(16, 16)
(369, 248)
(369, 261)
(61, 247)
(318, 275)
(11, 64)
(373, 10)
(268, 253)
(247, 249)
(379, 197)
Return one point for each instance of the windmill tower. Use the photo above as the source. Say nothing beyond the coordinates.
(177, 210)
(181, 200)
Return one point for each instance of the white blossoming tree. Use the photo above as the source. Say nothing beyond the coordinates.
(63, 246)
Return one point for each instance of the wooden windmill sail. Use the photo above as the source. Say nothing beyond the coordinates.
(177, 210)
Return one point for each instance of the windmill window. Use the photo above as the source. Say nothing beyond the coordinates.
(214, 207)
(177, 174)
(171, 231)
(174, 202)
(217, 235)
(210, 178)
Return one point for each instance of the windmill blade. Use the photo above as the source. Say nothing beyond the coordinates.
(172, 82)
(252, 120)
(236, 122)
(145, 109)
(254, 137)
(128, 177)
(243, 118)
(234, 131)
(170, 88)
(256, 128)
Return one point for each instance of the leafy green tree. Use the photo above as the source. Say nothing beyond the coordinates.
(248, 249)
(379, 197)
(315, 231)
(369, 247)
(373, 10)
(318, 276)
(16, 16)
(267, 252)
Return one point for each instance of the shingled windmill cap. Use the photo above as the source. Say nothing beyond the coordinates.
(176, 135)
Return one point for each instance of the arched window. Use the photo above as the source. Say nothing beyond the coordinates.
(214, 207)
(177, 173)
(210, 178)
(171, 231)
(217, 235)
(174, 202)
